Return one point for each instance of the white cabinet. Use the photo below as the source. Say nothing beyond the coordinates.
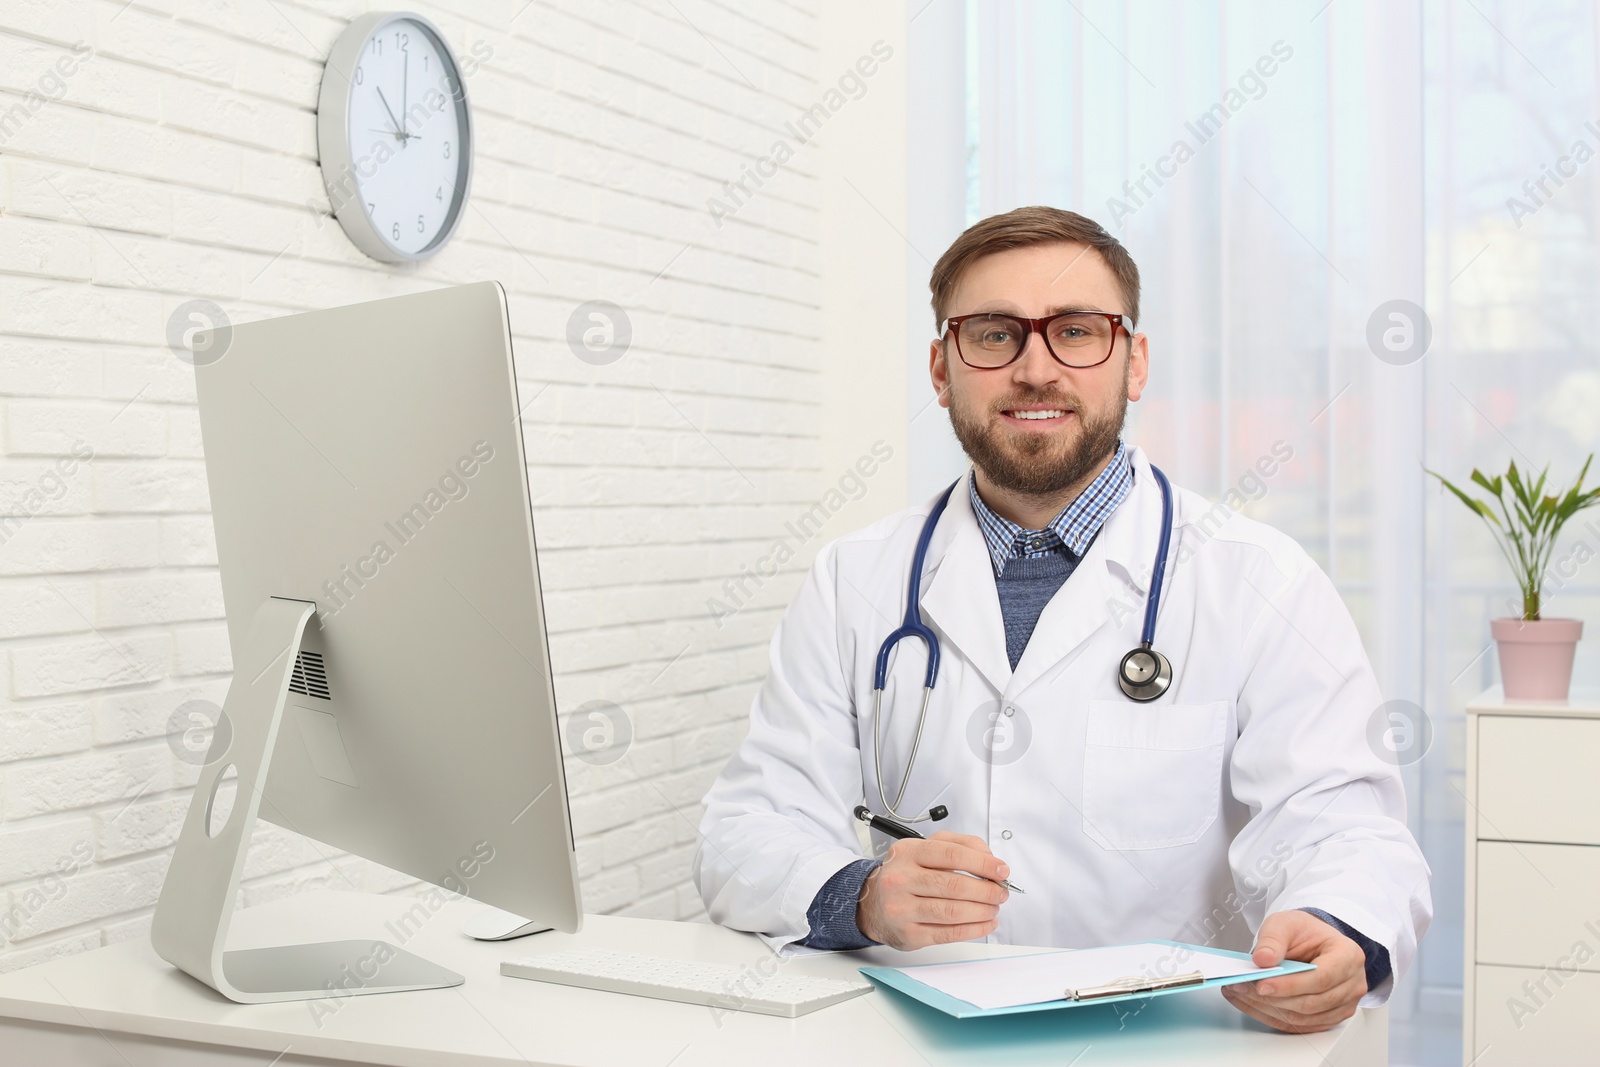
(1532, 983)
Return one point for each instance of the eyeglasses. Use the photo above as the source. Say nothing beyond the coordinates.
(1080, 339)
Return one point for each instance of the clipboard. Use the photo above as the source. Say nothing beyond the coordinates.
(1106, 990)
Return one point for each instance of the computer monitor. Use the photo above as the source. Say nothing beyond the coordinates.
(392, 693)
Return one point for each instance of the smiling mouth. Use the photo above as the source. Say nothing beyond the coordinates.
(1036, 414)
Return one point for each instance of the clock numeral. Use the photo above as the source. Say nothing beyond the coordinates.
(424, 64)
(419, 223)
(360, 76)
(447, 150)
(371, 208)
(402, 41)
(397, 231)
(439, 194)
(377, 45)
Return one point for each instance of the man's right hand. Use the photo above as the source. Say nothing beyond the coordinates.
(916, 897)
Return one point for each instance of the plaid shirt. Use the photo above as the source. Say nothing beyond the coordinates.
(1073, 529)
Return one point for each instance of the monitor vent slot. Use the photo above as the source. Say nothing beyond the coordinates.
(310, 677)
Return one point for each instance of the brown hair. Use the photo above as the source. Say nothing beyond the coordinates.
(1021, 228)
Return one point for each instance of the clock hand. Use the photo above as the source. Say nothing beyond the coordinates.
(397, 131)
(405, 93)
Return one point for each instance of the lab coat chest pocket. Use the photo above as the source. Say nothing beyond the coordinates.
(1152, 775)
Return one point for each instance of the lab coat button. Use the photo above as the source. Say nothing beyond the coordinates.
(1006, 834)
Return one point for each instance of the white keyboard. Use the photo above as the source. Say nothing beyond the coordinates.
(724, 986)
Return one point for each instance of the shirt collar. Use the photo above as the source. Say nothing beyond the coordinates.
(1074, 528)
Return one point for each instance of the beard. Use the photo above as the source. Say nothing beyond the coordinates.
(1036, 464)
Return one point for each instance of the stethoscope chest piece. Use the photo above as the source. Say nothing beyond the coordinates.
(1144, 674)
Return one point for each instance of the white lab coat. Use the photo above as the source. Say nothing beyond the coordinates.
(1249, 787)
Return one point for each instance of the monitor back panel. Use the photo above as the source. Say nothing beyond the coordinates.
(370, 459)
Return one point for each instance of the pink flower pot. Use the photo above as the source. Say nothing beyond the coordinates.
(1536, 657)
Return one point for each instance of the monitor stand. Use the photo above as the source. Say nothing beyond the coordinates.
(492, 924)
(197, 898)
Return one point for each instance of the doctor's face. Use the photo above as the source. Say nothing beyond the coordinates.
(1036, 426)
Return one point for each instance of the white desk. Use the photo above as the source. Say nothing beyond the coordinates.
(121, 1005)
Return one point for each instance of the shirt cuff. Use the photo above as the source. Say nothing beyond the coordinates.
(1378, 968)
(832, 914)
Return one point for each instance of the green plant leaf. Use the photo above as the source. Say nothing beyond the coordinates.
(1492, 485)
(1527, 525)
(1477, 506)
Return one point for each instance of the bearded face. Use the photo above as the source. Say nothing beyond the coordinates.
(1037, 441)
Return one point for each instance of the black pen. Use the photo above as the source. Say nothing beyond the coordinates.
(902, 832)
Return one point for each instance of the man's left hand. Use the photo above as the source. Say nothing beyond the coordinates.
(1308, 1001)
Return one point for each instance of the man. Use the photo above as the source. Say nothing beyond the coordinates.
(1243, 800)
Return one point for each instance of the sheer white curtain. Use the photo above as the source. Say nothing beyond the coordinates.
(1283, 173)
(1512, 121)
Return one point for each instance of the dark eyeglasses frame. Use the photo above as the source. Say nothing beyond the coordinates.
(1039, 326)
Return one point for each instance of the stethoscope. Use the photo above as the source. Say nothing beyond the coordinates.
(1143, 674)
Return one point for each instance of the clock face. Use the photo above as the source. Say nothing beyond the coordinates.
(407, 135)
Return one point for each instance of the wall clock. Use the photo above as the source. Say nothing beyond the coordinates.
(394, 132)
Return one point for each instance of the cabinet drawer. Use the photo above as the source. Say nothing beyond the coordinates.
(1537, 780)
(1534, 902)
(1513, 1029)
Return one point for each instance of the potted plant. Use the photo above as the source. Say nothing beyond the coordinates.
(1535, 653)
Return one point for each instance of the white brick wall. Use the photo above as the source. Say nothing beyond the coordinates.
(177, 162)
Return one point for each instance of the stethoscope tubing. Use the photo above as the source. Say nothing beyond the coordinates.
(1147, 636)
(913, 626)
